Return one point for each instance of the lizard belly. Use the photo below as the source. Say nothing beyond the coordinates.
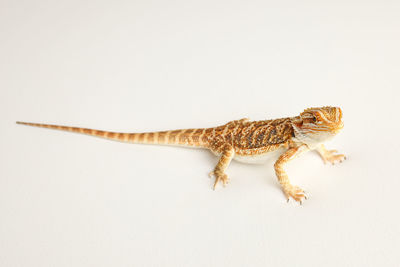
(261, 158)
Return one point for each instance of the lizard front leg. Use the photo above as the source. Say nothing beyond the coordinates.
(219, 171)
(288, 189)
(329, 155)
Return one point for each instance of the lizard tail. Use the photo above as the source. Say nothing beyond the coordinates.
(185, 137)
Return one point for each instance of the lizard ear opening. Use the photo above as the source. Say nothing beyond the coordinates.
(299, 123)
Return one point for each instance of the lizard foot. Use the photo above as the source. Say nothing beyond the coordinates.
(295, 192)
(331, 157)
(219, 177)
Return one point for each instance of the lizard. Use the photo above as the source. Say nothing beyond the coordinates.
(248, 141)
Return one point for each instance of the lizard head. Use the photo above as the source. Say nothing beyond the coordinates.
(315, 125)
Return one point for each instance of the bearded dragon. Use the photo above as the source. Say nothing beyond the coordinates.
(247, 141)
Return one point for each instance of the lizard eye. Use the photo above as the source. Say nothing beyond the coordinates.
(314, 119)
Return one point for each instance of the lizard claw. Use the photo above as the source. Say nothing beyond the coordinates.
(331, 157)
(294, 192)
(219, 177)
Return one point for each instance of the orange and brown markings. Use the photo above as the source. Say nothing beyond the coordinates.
(185, 137)
(246, 138)
(251, 138)
(243, 138)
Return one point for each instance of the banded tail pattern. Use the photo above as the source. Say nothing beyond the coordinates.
(185, 137)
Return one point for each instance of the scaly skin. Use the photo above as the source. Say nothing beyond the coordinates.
(248, 139)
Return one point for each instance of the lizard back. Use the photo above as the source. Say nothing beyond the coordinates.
(252, 138)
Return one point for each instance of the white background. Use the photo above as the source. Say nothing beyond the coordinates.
(73, 200)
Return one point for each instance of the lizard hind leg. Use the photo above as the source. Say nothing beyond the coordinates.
(219, 171)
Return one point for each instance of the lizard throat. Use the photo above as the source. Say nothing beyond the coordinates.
(311, 138)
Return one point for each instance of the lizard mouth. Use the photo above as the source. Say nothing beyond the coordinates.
(338, 127)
